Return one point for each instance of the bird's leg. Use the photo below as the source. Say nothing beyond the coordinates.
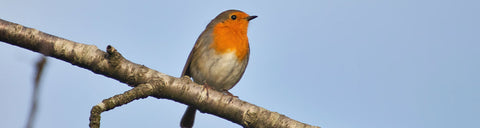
(206, 87)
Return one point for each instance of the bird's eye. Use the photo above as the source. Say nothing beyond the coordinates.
(233, 17)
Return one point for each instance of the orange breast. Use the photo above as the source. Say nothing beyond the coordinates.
(230, 37)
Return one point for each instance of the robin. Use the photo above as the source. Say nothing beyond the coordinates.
(219, 57)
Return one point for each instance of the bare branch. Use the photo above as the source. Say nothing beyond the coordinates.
(150, 82)
(40, 65)
(141, 91)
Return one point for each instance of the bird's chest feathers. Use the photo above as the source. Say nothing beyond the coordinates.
(228, 39)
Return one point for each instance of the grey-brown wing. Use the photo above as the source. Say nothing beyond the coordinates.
(200, 41)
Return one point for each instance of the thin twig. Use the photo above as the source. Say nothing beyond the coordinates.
(36, 90)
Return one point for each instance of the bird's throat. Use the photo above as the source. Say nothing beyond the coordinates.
(227, 39)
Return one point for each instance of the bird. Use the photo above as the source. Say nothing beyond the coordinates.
(219, 57)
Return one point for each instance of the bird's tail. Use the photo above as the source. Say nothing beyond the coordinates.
(188, 118)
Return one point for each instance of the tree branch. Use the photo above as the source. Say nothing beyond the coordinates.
(139, 92)
(39, 66)
(150, 82)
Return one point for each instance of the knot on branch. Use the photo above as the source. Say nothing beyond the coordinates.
(113, 56)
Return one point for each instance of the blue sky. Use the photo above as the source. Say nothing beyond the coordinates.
(334, 64)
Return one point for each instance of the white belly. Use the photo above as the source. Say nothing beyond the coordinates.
(220, 72)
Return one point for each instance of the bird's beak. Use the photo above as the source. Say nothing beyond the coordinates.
(251, 18)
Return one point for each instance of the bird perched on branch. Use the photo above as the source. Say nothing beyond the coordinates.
(219, 57)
